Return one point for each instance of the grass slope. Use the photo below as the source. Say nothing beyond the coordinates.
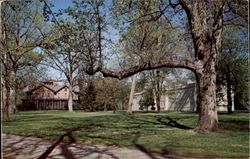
(167, 131)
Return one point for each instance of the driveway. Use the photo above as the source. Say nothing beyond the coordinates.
(20, 147)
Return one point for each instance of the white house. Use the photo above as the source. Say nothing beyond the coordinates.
(182, 98)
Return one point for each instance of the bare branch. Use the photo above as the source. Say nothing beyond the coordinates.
(172, 63)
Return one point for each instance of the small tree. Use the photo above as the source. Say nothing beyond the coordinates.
(62, 55)
(147, 100)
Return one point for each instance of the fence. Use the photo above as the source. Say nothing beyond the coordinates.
(45, 104)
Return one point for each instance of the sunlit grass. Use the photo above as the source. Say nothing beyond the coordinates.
(142, 129)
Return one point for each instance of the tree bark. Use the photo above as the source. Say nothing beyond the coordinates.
(229, 92)
(131, 96)
(70, 99)
(12, 93)
(12, 101)
(206, 83)
(158, 91)
(5, 104)
(9, 95)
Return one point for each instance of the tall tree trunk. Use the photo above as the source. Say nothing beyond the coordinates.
(131, 96)
(12, 101)
(158, 91)
(70, 99)
(206, 82)
(5, 103)
(229, 92)
(9, 95)
(12, 93)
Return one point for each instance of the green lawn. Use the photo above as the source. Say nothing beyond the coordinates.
(148, 130)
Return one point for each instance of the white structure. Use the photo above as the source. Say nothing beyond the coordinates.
(179, 99)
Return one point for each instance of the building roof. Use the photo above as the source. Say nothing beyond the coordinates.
(55, 89)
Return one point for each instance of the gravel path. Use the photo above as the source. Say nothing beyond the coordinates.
(19, 147)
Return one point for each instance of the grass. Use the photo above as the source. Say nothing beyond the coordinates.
(149, 130)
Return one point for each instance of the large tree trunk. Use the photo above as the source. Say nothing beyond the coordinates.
(206, 85)
(131, 96)
(70, 99)
(229, 92)
(9, 95)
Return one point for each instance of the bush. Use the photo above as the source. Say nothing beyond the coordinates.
(152, 108)
(147, 100)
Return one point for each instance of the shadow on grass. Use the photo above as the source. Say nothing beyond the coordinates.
(68, 154)
(167, 121)
(172, 123)
(235, 125)
(128, 130)
(66, 143)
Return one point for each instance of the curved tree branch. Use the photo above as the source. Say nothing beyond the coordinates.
(171, 63)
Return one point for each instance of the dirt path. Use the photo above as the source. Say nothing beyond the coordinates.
(19, 147)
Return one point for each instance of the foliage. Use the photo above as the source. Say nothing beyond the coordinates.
(147, 100)
(234, 61)
(112, 94)
(104, 94)
(87, 96)
(145, 40)
(23, 30)
(89, 23)
(118, 129)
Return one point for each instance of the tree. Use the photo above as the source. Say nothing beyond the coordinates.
(205, 23)
(62, 55)
(87, 93)
(78, 39)
(131, 96)
(147, 100)
(232, 68)
(111, 94)
(138, 42)
(158, 80)
(155, 80)
(22, 31)
(103, 94)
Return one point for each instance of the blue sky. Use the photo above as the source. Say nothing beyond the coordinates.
(60, 4)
